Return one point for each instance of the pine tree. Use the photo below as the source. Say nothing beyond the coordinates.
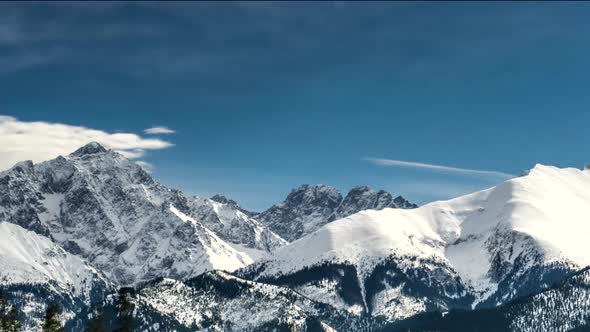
(8, 315)
(52, 319)
(97, 323)
(3, 309)
(12, 323)
(125, 307)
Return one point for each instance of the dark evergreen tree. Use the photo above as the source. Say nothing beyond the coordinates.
(125, 308)
(97, 324)
(11, 322)
(8, 315)
(52, 319)
(3, 310)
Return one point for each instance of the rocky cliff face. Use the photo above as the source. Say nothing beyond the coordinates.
(309, 207)
(106, 209)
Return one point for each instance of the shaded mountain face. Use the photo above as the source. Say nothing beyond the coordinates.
(106, 209)
(217, 301)
(310, 207)
(562, 307)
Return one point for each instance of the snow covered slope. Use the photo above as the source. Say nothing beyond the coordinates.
(484, 248)
(27, 257)
(35, 270)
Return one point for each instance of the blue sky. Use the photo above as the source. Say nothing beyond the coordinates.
(264, 97)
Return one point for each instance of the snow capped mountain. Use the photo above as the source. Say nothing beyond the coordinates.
(366, 265)
(75, 228)
(308, 208)
(106, 209)
(482, 249)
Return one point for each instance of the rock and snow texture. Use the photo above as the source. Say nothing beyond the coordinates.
(308, 208)
(76, 223)
(487, 248)
(225, 216)
(364, 198)
(217, 301)
(106, 209)
(305, 209)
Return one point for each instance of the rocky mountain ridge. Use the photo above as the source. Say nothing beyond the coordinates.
(106, 209)
(309, 207)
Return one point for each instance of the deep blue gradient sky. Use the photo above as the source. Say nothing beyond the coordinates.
(267, 96)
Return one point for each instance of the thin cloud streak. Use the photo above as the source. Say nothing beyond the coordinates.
(438, 168)
(158, 130)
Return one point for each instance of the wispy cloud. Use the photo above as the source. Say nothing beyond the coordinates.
(38, 141)
(158, 130)
(439, 168)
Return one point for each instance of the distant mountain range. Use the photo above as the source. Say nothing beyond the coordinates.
(75, 229)
(308, 208)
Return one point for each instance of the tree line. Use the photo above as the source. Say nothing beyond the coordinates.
(9, 321)
(10, 316)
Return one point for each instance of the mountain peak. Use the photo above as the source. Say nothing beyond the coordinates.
(90, 148)
(315, 189)
(224, 200)
(360, 189)
(23, 166)
(309, 207)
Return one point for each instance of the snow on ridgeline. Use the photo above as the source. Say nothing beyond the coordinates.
(530, 230)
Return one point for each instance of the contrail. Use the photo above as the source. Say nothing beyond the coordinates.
(439, 168)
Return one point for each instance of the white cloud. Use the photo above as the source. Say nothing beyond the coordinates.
(158, 130)
(439, 168)
(39, 141)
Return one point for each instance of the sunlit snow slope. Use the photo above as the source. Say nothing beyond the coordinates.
(34, 271)
(500, 243)
(26, 257)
